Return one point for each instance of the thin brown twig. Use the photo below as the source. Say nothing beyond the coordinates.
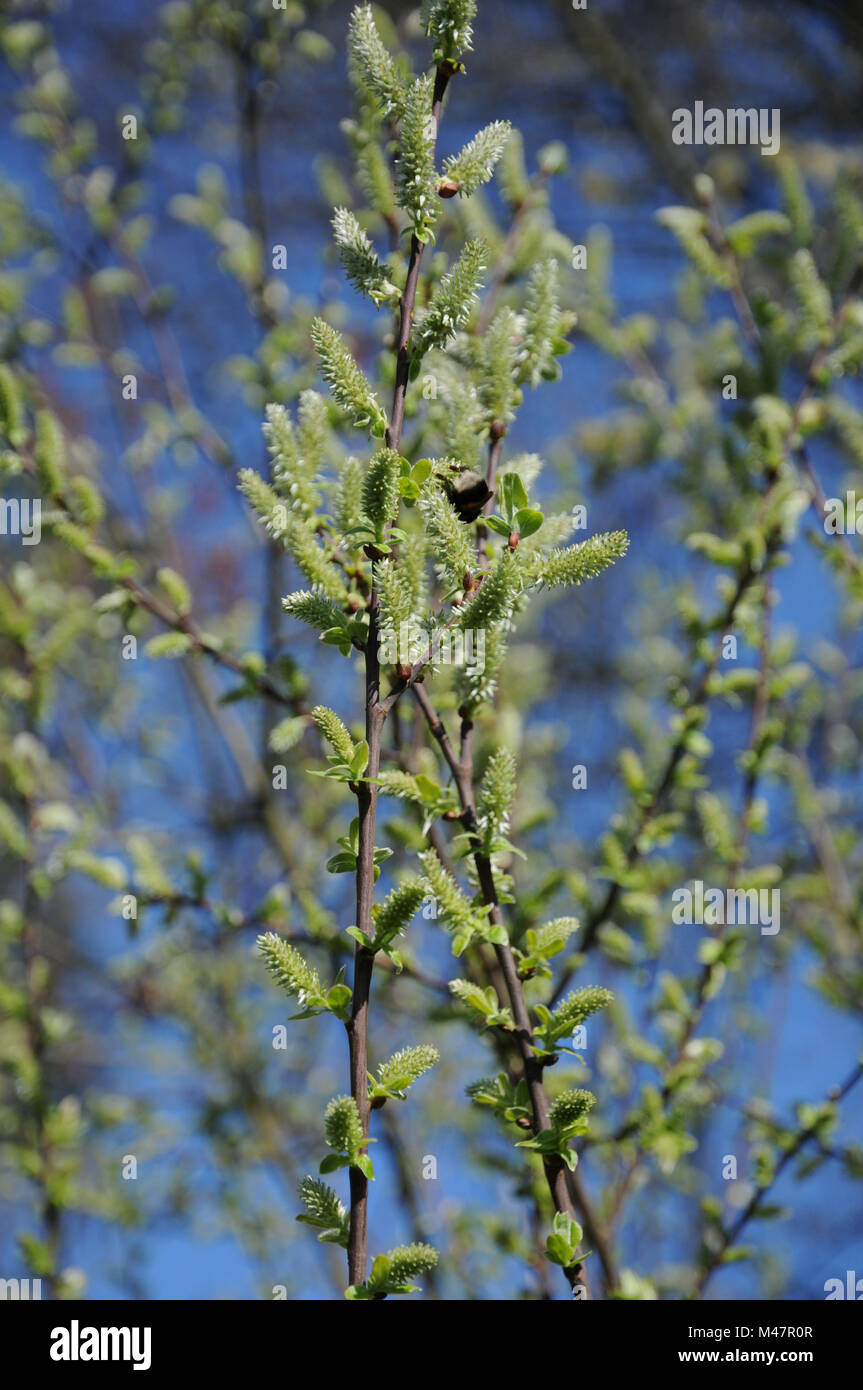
(748, 576)
(803, 1138)
(702, 990)
(553, 1165)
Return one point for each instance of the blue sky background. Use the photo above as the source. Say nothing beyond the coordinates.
(807, 1047)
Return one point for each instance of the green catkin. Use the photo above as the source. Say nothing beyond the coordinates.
(571, 1107)
(264, 500)
(499, 390)
(813, 297)
(176, 588)
(413, 558)
(576, 563)
(342, 1128)
(346, 381)
(371, 64)
(550, 933)
(475, 164)
(465, 421)
(334, 731)
(494, 600)
(454, 909)
(578, 1006)
(512, 172)
(449, 25)
(407, 1066)
(689, 226)
(360, 261)
(496, 793)
(399, 908)
(455, 299)
(449, 537)
(394, 782)
(86, 502)
(407, 1261)
(294, 467)
(381, 488)
(323, 1208)
(11, 407)
(417, 180)
(373, 177)
(312, 560)
(796, 201)
(476, 685)
(314, 608)
(394, 597)
(349, 496)
(289, 968)
(542, 325)
(50, 452)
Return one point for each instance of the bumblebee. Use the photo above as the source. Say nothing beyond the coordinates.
(468, 493)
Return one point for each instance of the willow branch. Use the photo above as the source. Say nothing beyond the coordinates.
(367, 791)
(753, 1205)
(462, 769)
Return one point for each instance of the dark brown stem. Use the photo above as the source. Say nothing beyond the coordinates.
(553, 1165)
(367, 792)
(409, 294)
(462, 770)
(357, 1028)
(407, 302)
